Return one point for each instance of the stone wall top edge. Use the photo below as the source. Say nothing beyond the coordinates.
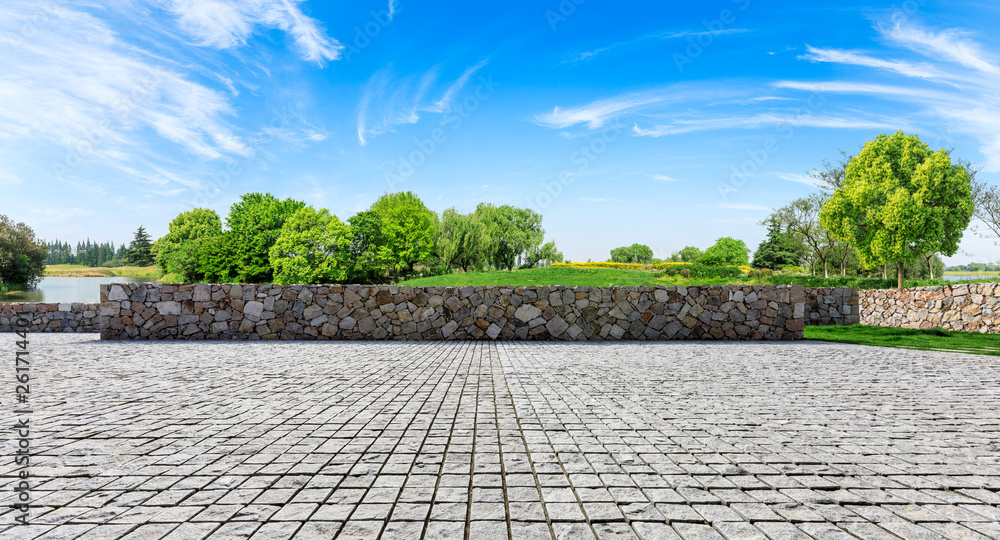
(104, 287)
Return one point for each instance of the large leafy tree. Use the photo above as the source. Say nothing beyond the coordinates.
(408, 230)
(726, 251)
(462, 240)
(899, 198)
(22, 256)
(140, 251)
(690, 254)
(177, 251)
(514, 233)
(546, 253)
(369, 251)
(781, 248)
(314, 247)
(636, 253)
(254, 226)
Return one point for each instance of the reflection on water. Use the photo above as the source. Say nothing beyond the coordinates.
(67, 289)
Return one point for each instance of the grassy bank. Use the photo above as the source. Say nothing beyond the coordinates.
(931, 339)
(76, 270)
(604, 277)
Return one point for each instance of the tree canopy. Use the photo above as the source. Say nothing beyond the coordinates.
(177, 251)
(22, 256)
(636, 253)
(726, 251)
(313, 247)
(898, 199)
(255, 223)
(140, 251)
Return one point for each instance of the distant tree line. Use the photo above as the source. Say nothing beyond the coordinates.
(266, 239)
(94, 254)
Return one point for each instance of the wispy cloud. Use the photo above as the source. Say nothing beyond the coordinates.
(225, 24)
(681, 126)
(664, 178)
(748, 207)
(444, 103)
(586, 56)
(798, 178)
(389, 100)
(952, 45)
(392, 9)
(922, 70)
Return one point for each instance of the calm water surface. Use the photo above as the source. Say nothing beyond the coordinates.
(67, 289)
(958, 278)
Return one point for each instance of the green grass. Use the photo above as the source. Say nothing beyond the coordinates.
(930, 339)
(570, 277)
(604, 277)
(77, 270)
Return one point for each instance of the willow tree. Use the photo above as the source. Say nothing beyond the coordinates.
(899, 198)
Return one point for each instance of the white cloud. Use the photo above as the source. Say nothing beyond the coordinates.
(664, 178)
(951, 45)
(7, 179)
(226, 24)
(749, 207)
(681, 126)
(798, 178)
(923, 71)
(596, 114)
(392, 9)
(389, 101)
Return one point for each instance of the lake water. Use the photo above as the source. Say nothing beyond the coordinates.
(67, 289)
(959, 278)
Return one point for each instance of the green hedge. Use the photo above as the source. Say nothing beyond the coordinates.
(705, 271)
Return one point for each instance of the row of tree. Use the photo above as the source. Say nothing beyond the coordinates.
(93, 254)
(288, 241)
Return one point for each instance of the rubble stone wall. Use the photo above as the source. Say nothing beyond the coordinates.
(967, 307)
(50, 317)
(832, 306)
(232, 311)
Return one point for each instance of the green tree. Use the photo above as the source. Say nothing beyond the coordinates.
(514, 233)
(314, 247)
(546, 253)
(177, 251)
(369, 251)
(636, 253)
(690, 254)
(219, 258)
(409, 230)
(22, 256)
(140, 251)
(462, 240)
(781, 248)
(899, 198)
(726, 251)
(255, 223)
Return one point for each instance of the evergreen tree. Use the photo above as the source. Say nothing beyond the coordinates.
(140, 250)
(780, 249)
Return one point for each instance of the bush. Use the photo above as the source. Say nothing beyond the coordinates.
(671, 271)
(752, 273)
(745, 269)
(686, 272)
(765, 272)
(613, 265)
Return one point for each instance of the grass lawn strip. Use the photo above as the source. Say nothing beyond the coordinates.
(929, 339)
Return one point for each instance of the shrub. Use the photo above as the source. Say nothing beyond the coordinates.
(752, 273)
(671, 271)
(793, 270)
(612, 265)
(765, 272)
(686, 272)
(745, 269)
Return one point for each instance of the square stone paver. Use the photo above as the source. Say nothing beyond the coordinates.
(274, 440)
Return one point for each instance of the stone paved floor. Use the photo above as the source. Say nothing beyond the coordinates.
(495, 440)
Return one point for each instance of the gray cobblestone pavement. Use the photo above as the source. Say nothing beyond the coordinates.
(693, 440)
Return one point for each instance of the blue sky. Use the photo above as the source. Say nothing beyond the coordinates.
(621, 122)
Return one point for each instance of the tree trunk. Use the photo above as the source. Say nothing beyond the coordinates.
(826, 271)
(843, 268)
(930, 265)
(885, 273)
(899, 274)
